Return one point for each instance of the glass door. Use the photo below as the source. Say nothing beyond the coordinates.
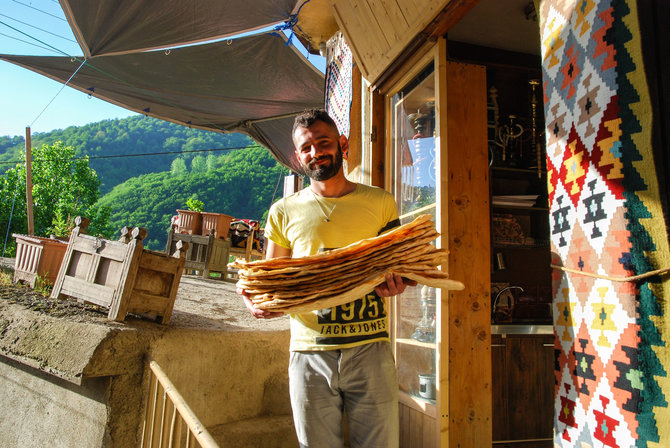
(413, 178)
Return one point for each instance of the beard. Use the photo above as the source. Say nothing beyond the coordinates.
(324, 171)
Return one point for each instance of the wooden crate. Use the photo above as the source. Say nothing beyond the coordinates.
(217, 223)
(190, 222)
(205, 254)
(37, 257)
(121, 275)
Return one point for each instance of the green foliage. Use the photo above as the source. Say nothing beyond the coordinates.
(128, 136)
(62, 225)
(198, 164)
(194, 204)
(178, 167)
(243, 186)
(141, 191)
(43, 286)
(63, 186)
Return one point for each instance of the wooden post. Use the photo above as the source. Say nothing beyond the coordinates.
(292, 183)
(355, 145)
(466, 415)
(29, 184)
(378, 149)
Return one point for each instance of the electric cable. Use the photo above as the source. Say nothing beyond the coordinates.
(11, 214)
(40, 10)
(38, 28)
(117, 156)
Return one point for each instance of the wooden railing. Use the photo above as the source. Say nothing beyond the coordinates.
(169, 421)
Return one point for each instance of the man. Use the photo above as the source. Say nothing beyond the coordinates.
(341, 358)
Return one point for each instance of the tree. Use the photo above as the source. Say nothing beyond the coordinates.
(178, 167)
(244, 186)
(212, 162)
(198, 164)
(63, 187)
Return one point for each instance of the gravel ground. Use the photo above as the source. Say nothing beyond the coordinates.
(200, 303)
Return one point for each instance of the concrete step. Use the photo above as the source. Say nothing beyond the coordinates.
(274, 431)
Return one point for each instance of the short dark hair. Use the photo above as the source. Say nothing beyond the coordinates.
(309, 117)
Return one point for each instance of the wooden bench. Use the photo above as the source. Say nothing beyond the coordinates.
(248, 252)
(205, 254)
(120, 275)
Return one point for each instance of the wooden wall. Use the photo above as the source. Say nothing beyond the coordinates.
(378, 31)
(417, 430)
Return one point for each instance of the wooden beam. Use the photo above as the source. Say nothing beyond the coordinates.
(466, 417)
(377, 135)
(454, 11)
(355, 120)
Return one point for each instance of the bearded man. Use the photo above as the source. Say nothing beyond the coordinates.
(341, 361)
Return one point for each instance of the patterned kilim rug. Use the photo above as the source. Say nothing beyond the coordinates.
(612, 363)
(339, 81)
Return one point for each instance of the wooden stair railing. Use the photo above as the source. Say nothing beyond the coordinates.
(168, 420)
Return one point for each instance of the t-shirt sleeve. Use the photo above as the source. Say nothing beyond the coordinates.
(390, 213)
(275, 228)
(391, 208)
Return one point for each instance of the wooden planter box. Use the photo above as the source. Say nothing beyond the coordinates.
(37, 257)
(205, 254)
(217, 223)
(190, 222)
(121, 275)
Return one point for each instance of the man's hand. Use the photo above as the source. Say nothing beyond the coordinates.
(257, 313)
(393, 285)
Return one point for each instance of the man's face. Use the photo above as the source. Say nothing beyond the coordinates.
(318, 150)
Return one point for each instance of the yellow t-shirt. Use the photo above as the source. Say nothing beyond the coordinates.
(307, 224)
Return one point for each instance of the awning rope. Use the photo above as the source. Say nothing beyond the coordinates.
(290, 23)
(58, 93)
(632, 278)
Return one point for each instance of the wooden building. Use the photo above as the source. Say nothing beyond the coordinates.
(514, 123)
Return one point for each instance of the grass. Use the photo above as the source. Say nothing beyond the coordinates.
(43, 286)
(6, 277)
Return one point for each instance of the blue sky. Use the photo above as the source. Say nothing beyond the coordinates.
(38, 27)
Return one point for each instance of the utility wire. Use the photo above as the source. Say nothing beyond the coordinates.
(108, 75)
(24, 41)
(40, 10)
(51, 47)
(117, 156)
(38, 28)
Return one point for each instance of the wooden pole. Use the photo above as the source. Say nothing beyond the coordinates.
(29, 184)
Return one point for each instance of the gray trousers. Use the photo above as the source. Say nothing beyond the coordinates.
(359, 382)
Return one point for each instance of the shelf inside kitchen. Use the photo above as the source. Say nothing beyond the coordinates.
(414, 342)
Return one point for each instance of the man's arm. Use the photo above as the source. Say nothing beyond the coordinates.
(273, 251)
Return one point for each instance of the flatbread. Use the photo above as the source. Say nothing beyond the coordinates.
(342, 275)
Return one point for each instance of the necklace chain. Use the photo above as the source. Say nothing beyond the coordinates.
(326, 218)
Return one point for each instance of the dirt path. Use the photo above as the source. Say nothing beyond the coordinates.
(200, 303)
(216, 303)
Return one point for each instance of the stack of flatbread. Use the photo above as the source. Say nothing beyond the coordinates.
(342, 275)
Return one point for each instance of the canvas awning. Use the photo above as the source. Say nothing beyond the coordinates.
(106, 27)
(253, 84)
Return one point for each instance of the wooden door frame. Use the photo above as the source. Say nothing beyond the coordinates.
(463, 357)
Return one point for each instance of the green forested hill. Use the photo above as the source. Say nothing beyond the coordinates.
(105, 140)
(146, 191)
(239, 183)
